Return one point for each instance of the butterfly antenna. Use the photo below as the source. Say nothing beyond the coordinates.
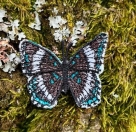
(62, 47)
(69, 46)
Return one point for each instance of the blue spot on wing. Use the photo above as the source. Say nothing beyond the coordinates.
(79, 80)
(26, 58)
(95, 90)
(32, 84)
(51, 57)
(98, 66)
(34, 43)
(90, 101)
(26, 64)
(100, 50)
(77, 56)
(73, 62)
(56, 75)
(74, 75)
(42, 102)
(51, 81)
(94, 98)
(55, 64)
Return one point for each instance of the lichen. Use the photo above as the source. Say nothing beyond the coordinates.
(115, 113)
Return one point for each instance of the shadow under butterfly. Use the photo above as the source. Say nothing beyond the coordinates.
(48, 76)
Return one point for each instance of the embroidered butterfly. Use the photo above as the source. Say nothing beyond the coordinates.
(48, 76)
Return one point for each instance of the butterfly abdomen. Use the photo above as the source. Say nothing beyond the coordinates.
(65, 86)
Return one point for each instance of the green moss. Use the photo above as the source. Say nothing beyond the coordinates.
(119, 77)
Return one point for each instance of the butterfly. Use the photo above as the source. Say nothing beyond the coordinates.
(48, 76)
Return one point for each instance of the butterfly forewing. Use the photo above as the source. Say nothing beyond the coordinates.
(36, 59)
(91, 56)
(84, 70)
(44, 73)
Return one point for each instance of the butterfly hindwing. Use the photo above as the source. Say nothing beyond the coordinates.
(43, 70)
(85, 88)
(84, 69)
(45, 89)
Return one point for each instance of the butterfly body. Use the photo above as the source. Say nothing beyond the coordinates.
(48, 76)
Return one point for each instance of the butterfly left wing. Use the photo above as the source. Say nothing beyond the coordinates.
(44, 89)
(43, 70)
(84, 70)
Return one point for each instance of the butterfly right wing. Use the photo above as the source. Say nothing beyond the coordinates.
(43, 70)
(84, 70)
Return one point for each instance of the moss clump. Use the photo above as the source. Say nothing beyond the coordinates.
(117, 112)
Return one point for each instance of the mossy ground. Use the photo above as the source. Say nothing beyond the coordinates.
(118, 18)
